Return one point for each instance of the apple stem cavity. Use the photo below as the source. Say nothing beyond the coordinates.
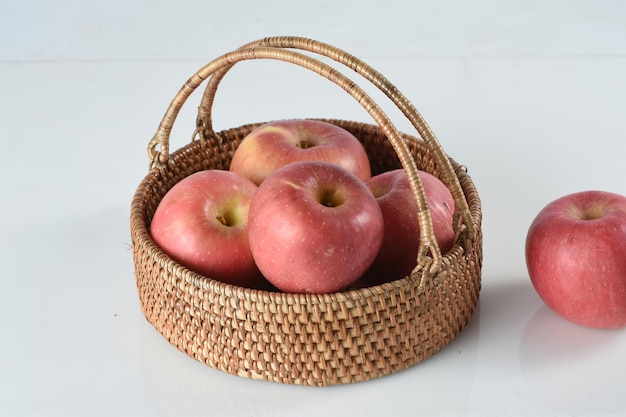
(330, 197)
(379, 191)
(593, 212)
(307, 140)
(228, 218)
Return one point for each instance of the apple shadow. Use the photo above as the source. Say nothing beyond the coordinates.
(571, 368)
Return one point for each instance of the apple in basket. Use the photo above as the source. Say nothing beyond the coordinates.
(314, 227)
(276, 144)
(202, 223)
(576, 257)
(398, 254)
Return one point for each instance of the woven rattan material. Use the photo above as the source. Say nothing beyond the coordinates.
(303, 338)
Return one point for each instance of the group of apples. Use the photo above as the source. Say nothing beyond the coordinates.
(299, 211)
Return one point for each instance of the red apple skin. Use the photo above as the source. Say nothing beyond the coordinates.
(314, 228)
(186, 225)
(576, 258)
(398, 254)
(276, 144)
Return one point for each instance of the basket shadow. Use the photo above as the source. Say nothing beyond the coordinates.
(507, 301)
(177, 384)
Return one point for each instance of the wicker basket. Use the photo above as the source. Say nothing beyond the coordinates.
(309, 339)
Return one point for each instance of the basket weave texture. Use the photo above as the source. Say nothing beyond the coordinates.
(309, 339)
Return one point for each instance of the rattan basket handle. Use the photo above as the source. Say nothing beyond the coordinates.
(205, 127)
(158, 148)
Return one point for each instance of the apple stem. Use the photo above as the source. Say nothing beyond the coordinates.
(222, 219)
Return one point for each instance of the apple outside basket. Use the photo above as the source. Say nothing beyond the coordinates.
(309, 339)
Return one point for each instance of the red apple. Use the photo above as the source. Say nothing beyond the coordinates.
(398, 253)
(202, 223)
(314, 228)
(576, 257)
(276, 144)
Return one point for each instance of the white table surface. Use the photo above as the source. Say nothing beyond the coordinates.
(529, 94)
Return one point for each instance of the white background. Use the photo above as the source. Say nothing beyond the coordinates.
(529, 94)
